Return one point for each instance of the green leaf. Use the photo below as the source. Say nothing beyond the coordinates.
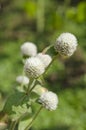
(21, 88)
(15, 99)
(24, 123)
(21, 112)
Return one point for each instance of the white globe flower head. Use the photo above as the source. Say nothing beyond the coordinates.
(34, 67)
(29, 49)
(66, 44)
(22, 80)
(49, 100)
(45, 58)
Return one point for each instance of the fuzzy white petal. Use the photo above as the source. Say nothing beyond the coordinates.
(22, 80)
(66, 44)
(34, 67)
(49, 100)
(29, 49)
(45, 58)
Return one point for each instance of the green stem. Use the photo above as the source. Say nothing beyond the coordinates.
(31, 86)
(31, 123)
(42, 80)
(54, 58)
(31, 90)
(47, 48)
(22, 84)
(13, 125)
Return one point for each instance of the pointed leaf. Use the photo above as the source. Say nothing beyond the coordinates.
(15, 99)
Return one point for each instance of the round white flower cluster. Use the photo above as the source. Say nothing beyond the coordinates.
(22, 80)
(34, 67)
(45, 58)
(29, 49)
(49, 100)
(66, 44)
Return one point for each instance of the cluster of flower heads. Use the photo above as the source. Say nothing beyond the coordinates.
(36, 64)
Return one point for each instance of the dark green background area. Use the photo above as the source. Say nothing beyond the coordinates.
(41, 22)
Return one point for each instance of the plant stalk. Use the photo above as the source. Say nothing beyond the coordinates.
(54, 58)
(31, 86)
(47, 48)
(13, 125)
(31, 123)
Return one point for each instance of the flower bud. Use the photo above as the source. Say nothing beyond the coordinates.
(39, 89)
(45, 58)
(66, 44)
(34, 67)
(29, 49)
(49, 100)
(22, 80)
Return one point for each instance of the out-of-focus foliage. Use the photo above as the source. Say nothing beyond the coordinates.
(77, 14)
(41, 21)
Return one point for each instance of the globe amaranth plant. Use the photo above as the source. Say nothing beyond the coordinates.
(17, 112)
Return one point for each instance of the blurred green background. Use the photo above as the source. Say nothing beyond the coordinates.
(41, 22)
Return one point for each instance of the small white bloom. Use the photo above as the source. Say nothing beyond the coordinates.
(34, 67)
(29, 49)
(49, 100)
(66, 44)
(22, 80)
(45, 58)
